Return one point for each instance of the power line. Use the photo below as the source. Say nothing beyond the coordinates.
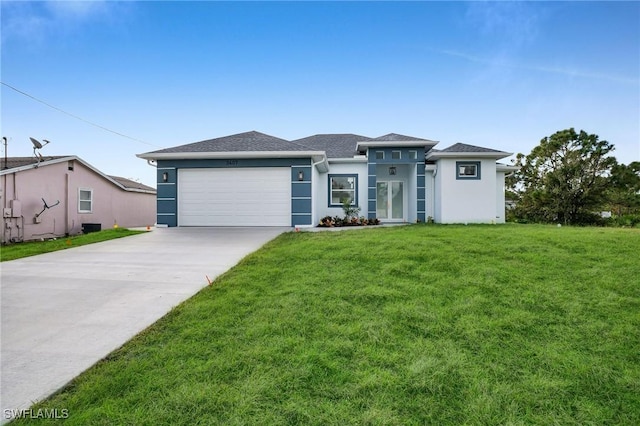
(75, 116)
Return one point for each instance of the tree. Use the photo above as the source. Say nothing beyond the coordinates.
(624, 188)
(563, 179)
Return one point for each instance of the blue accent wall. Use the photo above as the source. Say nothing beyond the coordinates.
(231, 163)
(372, 209)
(371, 190)
(166, 199)
(300, 189)
(421, 194)
(301, 206)
(166, 190)
(404, 159)
(404, 155)
(300, 219)
(301, 197)
(171, 174)
(167, 193)
(168, 219)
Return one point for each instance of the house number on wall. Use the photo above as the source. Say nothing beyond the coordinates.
(232, 162)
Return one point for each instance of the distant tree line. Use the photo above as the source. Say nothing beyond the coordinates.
(570, 178)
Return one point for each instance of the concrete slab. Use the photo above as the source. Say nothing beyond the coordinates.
(64, 311)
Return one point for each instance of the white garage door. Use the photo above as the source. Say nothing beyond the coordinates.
(258, 196)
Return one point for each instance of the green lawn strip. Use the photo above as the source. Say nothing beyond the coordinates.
(32, 248)
(410, 325)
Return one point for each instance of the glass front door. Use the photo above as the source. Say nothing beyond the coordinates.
(390, 200)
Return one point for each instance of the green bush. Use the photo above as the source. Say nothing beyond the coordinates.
(625, 220)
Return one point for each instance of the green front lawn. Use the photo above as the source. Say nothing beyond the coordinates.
(408, 325)
(32, 248)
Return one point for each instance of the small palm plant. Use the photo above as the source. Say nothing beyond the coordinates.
(350, 211)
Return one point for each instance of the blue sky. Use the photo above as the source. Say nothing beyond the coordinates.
(501, 75)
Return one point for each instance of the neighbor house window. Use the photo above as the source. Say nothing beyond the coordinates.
(396, 155)
(379, 155)
(85, 200)
(468, 170)
(341, 188)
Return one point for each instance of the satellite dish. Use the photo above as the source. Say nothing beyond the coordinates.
(36, 143)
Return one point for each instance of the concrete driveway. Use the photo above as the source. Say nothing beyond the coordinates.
(64, 311)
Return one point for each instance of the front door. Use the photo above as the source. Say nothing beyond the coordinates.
(390, 200)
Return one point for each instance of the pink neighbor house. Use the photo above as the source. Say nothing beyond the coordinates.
(64, 195)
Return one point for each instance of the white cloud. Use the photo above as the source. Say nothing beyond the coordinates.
(513, 23)
(504, 62)
(35, 22)
(21, 20)
(509, 29)
(77, 10)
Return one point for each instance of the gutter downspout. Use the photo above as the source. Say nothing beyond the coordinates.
(313, 201)
(4, 206)
(436, 192)
(15, 197)
(324, 160)
(66, 210)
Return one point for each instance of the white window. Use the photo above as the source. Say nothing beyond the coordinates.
(85, 200)
(413, 155)
(396, 155)
(341, 188)
(379, 155)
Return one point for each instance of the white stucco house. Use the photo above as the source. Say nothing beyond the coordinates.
(64, 195)
(254, 179)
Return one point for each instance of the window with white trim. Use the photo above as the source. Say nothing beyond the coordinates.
(85, 200)
(413, 155)
(396, 155)
(467, 170)
(379, 155)
(341, 188)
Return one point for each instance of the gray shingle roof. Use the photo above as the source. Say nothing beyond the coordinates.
(394, 137)
(14, 162)
(336, 145)
(128, 183)
(463, 147)
(248, 141)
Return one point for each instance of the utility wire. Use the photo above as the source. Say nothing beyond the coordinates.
(75, 116)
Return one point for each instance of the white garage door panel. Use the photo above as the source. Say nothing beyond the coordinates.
(234, 197)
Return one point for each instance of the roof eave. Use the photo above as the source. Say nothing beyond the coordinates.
(407, 144)
(506, 168)
(354, 159)
(229, 155)
(80, 160)
(496, 155)
(36, 165)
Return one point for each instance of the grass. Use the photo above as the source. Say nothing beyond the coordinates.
(32, 248)
(514, 324)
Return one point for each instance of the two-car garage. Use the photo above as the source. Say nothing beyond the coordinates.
(256, 196)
